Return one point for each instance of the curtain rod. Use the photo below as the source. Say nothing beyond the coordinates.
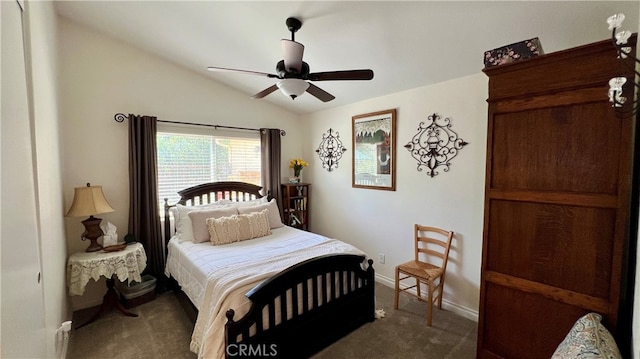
(120, 117)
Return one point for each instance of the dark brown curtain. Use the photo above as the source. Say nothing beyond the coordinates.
(144, 221)
(270, 150)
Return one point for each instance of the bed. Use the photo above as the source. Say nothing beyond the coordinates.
(289, 293)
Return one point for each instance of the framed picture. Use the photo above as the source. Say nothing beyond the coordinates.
(374, 150)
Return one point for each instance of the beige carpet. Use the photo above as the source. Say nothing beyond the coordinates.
(162, 330)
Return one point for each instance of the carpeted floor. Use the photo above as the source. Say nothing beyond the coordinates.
(162, 330)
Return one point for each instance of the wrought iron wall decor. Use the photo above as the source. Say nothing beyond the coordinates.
(435, 145)
(330, 150)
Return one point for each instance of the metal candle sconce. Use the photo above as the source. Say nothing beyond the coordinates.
(628, 63)
(330, 150)
(435, 145)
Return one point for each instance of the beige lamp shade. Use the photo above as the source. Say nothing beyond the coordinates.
(88, 201)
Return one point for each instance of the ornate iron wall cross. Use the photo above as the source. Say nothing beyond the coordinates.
(330, 150)
(435, 145)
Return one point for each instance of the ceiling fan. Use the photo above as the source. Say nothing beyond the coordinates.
(294, 73)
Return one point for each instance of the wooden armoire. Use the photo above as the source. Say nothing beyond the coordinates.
(557, 200)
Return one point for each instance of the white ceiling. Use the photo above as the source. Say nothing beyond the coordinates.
(407, 44)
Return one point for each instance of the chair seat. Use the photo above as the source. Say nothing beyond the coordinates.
(421, 270)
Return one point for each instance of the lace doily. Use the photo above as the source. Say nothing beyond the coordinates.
(126, 264)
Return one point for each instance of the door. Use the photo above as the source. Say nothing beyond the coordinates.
(22, 313)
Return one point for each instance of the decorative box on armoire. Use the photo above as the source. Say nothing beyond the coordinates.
(557, 201)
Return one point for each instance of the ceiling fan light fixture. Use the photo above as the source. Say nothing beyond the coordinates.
(293, 87)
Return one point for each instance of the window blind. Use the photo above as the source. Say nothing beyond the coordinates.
(188, 159)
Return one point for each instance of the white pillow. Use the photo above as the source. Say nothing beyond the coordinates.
(273, 212)
(173, 212)
(253, 202)
(184, 228)
(236, 228)
(199, 221)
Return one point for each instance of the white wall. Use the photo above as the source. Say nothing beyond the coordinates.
(382, 221)
(100, 77)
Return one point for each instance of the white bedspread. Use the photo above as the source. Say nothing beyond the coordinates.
(224, 274)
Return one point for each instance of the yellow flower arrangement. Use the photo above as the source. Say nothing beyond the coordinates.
(297, 164)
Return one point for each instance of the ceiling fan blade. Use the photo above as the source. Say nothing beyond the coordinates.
(265, 92)
(321, 94)
(341, 75)
(224, 69)
(292, 52)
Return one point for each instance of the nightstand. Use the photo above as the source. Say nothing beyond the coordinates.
(126, 264)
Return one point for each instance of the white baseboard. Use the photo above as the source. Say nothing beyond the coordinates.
(446, 305)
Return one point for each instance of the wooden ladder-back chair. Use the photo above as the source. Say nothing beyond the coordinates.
(428, 267)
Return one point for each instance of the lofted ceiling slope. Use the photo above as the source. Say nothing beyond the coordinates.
(407, 44)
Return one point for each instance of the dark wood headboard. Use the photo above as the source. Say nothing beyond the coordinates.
(211, 192)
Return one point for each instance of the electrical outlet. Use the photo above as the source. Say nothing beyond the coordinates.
(382, 258)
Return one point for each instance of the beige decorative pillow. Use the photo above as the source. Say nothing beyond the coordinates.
(199, 221)
(238, 228)
(183, 225)
(273, 212)
(588, 339)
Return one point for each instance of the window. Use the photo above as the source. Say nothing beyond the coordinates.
(189, 159)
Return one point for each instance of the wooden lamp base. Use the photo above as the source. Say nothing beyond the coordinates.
(92, 232)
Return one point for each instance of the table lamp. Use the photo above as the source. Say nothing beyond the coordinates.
(88, 201)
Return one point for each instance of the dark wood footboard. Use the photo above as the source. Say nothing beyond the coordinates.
(330, 296)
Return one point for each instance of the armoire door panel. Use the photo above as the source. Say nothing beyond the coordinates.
(567, 148)
(568, 247)
(518, 326)
(566, 98)
(564, 198)
(585, 301)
